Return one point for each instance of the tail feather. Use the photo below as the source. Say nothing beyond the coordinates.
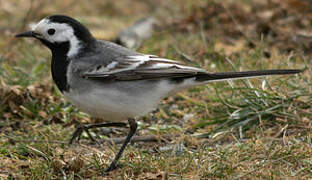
(244, 74)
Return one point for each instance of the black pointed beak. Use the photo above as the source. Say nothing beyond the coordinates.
(27, 34)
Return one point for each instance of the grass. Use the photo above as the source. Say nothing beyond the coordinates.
(245, 129)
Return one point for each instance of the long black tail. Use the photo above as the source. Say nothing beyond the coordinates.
(244, 74)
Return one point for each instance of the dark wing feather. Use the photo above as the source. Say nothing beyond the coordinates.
(142, 67)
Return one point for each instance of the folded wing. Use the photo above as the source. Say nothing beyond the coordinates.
(140, 67)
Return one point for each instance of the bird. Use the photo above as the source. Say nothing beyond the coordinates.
(114, 83)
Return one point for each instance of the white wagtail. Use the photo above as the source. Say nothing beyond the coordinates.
(114, 83)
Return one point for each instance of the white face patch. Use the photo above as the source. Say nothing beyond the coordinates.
(63, 33)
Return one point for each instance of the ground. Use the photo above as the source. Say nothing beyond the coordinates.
(247, 129)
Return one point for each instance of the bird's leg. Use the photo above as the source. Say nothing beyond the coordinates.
(133, 126)
(86, 127)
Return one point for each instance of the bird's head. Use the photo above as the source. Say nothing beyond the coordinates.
(59, 32)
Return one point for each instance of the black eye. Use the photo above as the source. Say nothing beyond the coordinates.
(51, 32)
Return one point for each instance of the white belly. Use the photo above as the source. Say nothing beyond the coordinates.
(116, 106)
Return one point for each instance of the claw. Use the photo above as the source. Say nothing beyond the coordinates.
(85, 127)
(76, 135)
(78, 132)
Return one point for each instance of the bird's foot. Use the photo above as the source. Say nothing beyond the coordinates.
(110, 168)
(78, 132)
(85, 127)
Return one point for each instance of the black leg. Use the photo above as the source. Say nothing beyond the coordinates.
(133, 126)
(86, 127)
